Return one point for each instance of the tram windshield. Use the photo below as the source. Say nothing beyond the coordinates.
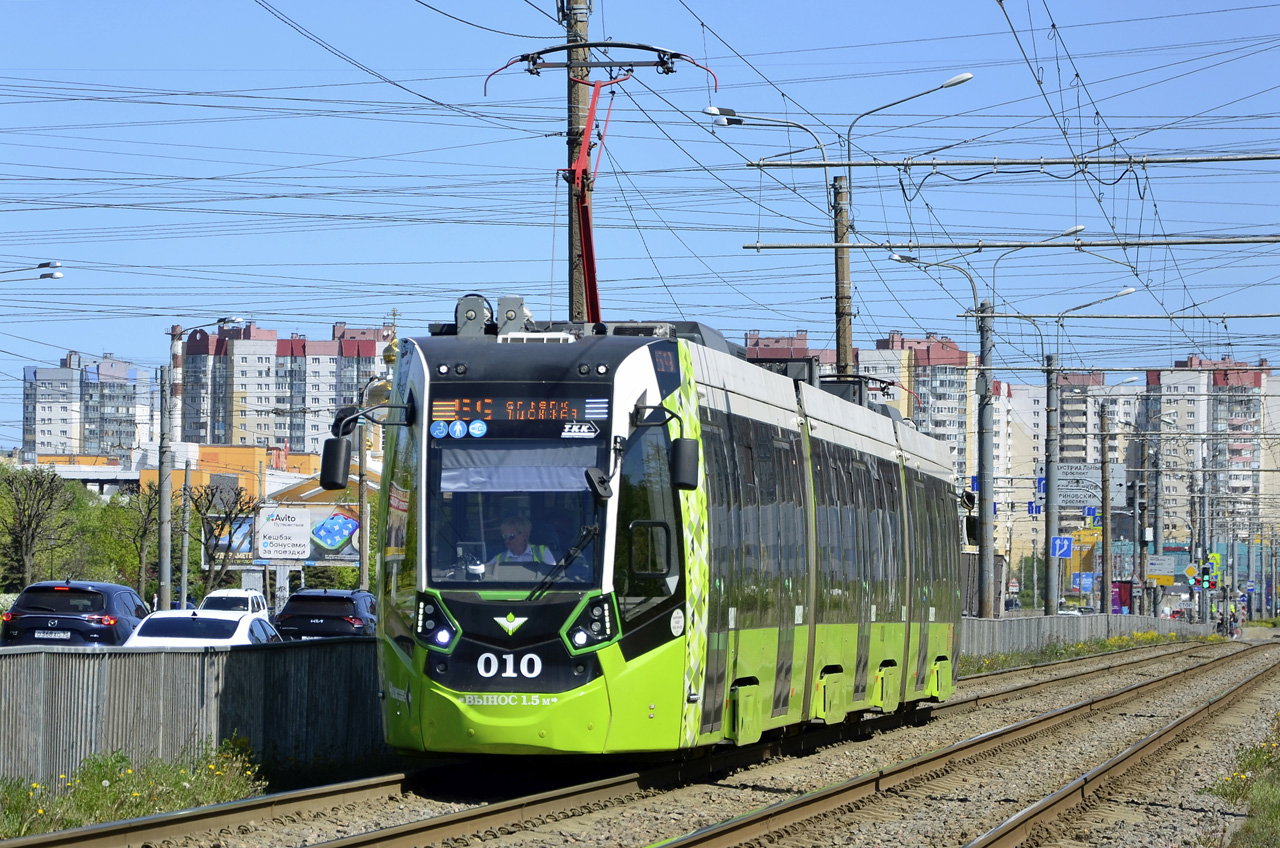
(513, 513)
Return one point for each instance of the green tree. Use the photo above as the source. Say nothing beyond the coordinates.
(36, 517)
(138, 519)
(218, 512)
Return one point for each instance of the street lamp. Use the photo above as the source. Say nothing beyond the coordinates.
(166, 469)
(958, 79)
(731, 118)
(47, 275)
(986, 439)
(1077, 229)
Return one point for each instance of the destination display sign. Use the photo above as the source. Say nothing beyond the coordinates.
(517, 408)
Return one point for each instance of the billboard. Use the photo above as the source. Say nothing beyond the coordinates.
(320, 534)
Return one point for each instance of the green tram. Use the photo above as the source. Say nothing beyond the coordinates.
(626, 538)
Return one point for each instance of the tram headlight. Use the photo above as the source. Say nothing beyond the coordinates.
(593, 626)
(442, 637)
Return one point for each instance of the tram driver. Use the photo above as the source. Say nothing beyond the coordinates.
(515, 535)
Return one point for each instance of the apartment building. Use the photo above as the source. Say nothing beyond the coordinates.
(244, 385)
(86, 406)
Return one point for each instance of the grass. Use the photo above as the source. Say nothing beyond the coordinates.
(1255, 783)
(1061, 651)
(109, 787)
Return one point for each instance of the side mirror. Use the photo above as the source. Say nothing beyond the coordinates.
(684, 464)
(344, 422)
(335, 462)
(598, 482)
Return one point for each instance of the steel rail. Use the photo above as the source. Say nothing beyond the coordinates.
(1017, 829)
(758, 823)
(153, 830)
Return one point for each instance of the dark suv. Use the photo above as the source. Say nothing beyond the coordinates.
(73, 612)
(315, 613)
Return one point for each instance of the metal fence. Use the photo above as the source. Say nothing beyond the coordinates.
(985, 636)
(302, 706)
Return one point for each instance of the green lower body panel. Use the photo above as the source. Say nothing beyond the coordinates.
(633, 706)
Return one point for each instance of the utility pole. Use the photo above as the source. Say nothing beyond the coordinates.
(844, 297)
(986, 462)
(574, 14)
(1145, 607)
(1103, 430)
(186, 525)
(166, 494)
(1050, 483)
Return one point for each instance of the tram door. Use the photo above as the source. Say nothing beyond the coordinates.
(920, 539)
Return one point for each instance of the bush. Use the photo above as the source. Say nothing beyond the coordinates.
(108, 787)
(1255, 782)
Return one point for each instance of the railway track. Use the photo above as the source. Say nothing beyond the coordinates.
(855, 803)
(527, 812)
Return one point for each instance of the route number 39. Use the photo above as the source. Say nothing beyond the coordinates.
(488, 664)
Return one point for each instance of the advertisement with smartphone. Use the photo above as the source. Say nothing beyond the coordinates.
(319, 533)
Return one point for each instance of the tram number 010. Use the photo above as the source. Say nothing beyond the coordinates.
(489, 664)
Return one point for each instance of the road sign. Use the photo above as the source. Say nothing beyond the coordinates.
(1060, 546)
(1250, 586)
(1190, 571)
(1014, 585)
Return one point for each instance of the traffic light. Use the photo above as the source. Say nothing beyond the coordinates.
(1213, 583)
(1202, 582)
(1194, 582)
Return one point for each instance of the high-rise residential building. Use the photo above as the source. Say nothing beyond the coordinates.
(940, 381)
(244, 385)
(99, 406)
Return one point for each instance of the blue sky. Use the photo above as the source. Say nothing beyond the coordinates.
(187, 161)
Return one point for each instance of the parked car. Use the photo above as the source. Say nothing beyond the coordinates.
(72, 612)
(201, 629)
(1068, 611)
(316, 613)
(237, 600)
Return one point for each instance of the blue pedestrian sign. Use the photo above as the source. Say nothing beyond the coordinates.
(1060, 546)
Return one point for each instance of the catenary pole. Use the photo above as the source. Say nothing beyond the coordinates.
(166, 495)
(986, 462)
(574, 14)
(186, 525)
(844, 298)
(1103, 427)
(1051, 446)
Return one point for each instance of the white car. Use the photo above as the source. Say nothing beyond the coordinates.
(201, 629)
(237, 600)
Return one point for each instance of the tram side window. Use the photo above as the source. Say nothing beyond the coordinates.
(648, 565)
(826, 578)
(750, 586)
(400, 526)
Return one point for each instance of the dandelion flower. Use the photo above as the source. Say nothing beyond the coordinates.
(186, 785)
(137, 794)
(106, 783)
(129, 771)
(40, 811)
(217, 772)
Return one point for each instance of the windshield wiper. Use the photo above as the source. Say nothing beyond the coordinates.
(588, 532)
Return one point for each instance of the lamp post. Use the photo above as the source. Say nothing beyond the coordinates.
(986, 440)
(166, 468)
(838, 205)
